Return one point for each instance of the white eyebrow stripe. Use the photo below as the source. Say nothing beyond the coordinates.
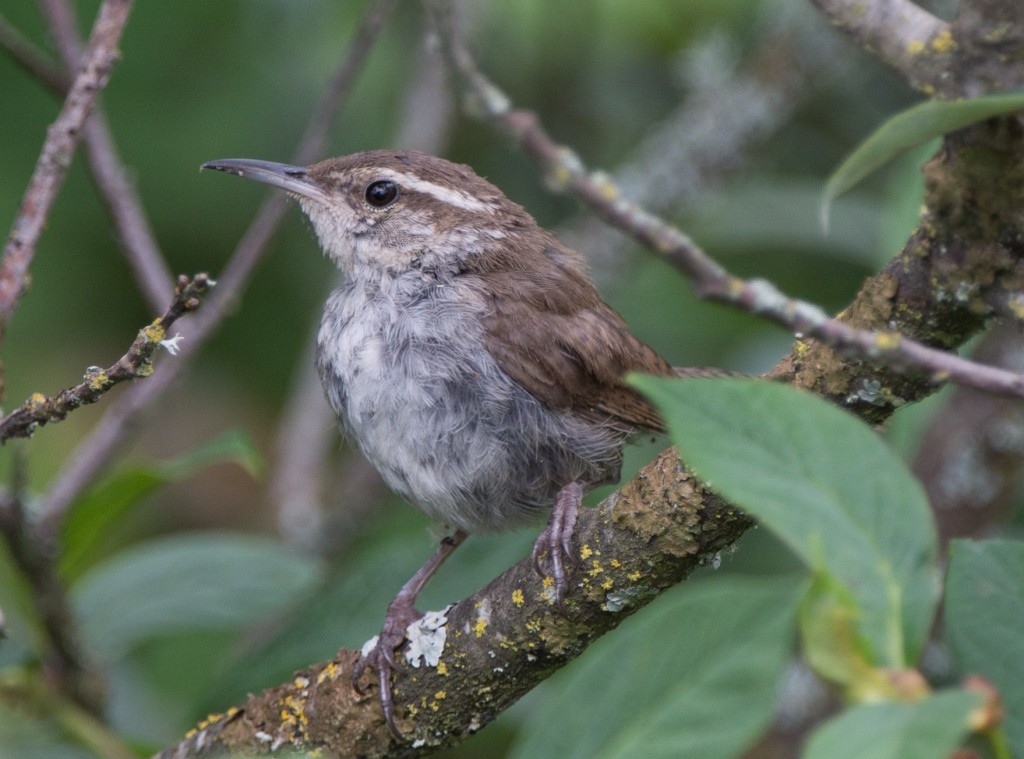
(447, 195)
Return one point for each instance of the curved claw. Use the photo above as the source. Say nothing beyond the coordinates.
(382, 659)
(387, 703)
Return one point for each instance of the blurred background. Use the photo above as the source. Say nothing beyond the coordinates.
(726, 117)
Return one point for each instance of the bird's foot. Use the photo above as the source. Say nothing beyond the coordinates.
(379, 653)
(556, 539)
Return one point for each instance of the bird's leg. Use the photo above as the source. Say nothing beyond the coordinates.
(556, 539)
(400, 614)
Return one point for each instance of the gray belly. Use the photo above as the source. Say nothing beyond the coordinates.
(444, 425)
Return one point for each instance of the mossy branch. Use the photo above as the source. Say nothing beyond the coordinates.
(41, 409)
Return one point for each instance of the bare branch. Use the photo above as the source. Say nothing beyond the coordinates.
(566, 171)
(113, 431)
(637, 548)
(40, 409)
(428, 107)
(901, 33)
(55, 157)
(32, 59)
(116, 189)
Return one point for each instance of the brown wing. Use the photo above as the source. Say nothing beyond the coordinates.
(550, 331)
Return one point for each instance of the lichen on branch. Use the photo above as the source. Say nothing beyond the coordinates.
(137, 362)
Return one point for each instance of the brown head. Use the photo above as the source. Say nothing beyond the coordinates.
(390, 209)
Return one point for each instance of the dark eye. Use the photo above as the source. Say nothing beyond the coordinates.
(381, 193)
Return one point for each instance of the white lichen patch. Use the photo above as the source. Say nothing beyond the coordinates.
(618, 600)
(369, 646)
(427, 637)
(172, 345)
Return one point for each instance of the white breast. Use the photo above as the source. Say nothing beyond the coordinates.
(404, 365)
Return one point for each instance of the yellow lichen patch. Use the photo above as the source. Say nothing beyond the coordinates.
(442, 668)
(1016, 305)
(330, 672)
(634, 576)
(36, 399)
(518, 598)
(608, 584)
(887, 341)
(943, 42)
(533, 625)
(211, 719)
(479, 626)
(301, 682)
(438, 697)
(293, 714)
(560, 175)
(615, 563)
(664, 245)
(97, 380)
(595, 568)
(586, 552)
(548, 582)
(605, 186)
(914, 47)
(154, 333)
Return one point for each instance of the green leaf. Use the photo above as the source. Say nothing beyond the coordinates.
(27, 737)
(205, 581)
(88, 529)
(826, 484)
(908, 129)
(831, 642)
(927, 729)
(985, 620)
(695, 675)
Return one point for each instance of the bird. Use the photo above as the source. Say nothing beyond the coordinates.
(467, 353)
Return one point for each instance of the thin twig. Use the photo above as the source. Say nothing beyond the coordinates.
(712, 281)
(55, 157)
(40, 409)
(900, 33)
(32, 59)
(426, 117)
(117, 191)
(104, 440)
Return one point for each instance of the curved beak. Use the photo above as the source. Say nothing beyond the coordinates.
(294, 179)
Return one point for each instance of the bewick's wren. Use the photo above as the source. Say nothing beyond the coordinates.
(466, 352)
